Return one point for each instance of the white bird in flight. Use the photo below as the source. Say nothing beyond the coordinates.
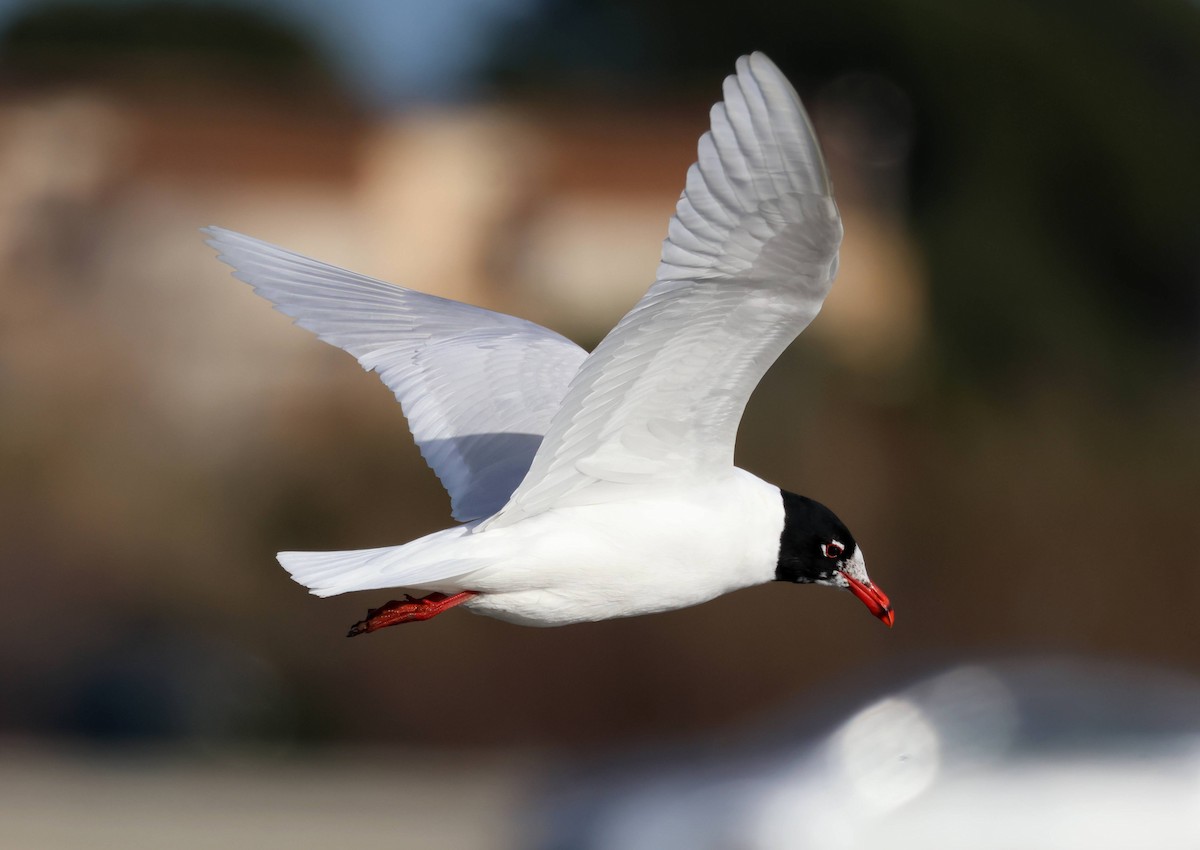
(593, 486)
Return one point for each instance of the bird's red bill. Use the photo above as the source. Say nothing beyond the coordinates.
(874, 598)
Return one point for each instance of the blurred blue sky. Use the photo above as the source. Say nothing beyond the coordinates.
(387, 50)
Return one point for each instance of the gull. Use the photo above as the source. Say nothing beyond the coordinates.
(602, 485)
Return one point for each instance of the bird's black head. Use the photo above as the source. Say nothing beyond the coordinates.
(817, 548)
(815, 544)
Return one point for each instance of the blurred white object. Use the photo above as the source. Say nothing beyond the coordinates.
(1036, 756)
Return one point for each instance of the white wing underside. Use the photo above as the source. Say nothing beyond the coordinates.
(749, 259)
(479, 388)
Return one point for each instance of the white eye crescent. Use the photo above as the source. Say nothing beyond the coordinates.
(832, 549)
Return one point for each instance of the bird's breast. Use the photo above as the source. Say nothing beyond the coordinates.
(621, 558)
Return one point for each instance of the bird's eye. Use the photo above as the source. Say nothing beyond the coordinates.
(833, 549)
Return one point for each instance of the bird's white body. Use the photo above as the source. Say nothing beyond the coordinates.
(662, 550)
(602, 485)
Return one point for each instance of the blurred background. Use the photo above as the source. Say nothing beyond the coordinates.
(1000, 398)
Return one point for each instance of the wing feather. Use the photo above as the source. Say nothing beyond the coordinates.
(479, 388)
(748, 260)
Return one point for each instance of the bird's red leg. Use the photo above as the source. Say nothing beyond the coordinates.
(410, 610)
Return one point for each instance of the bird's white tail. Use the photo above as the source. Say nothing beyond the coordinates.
(420, 564)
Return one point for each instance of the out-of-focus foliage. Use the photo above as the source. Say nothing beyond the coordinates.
(1054, 169)
(168, 42)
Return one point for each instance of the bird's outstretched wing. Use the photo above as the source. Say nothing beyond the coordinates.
(750, 255)
(479, 388)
